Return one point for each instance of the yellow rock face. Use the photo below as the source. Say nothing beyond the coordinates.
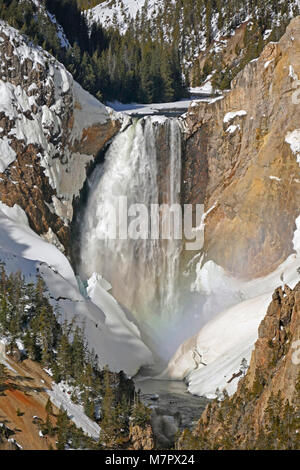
(252, 173)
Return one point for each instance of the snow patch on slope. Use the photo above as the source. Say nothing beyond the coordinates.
(61, 399)
(293, 139)
(7, 154)
(115, 317)
(220, 347)
(120, 13)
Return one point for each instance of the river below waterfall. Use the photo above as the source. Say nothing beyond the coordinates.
(170, 397)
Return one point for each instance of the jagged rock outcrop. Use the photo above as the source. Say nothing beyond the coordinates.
(227, 52)
(241, 157)
(6, 441)
(275, 359)
(51, 130)
(141, 438)
(159, 434)
(270, 390)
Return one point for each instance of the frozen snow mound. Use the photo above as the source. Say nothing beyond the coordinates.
(210, 359)
(114, 339)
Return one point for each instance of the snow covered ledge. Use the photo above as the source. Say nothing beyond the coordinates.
(210, 359)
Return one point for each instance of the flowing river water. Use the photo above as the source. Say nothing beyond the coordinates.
(171, 398)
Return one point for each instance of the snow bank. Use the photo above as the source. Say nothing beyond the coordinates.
(219, 348)
(115, 317)
(7, 154)
(88, 111)
(3, 342)
(210, 359)
(106, 13)
(206, 89)
(230, 116)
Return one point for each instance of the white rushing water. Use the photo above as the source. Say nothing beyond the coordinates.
(143, 272)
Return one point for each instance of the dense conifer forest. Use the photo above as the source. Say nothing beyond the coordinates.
(156, 59)
(278, 431)
(108, 65)
(28, 318)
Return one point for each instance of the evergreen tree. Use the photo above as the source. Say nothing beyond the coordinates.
(109, 422)
(62, 424)
(48, 407)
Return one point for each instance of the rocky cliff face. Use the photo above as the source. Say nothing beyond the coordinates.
(241, 157)
(141, 438)
(50, 132)
(265, 410)
(274, 365)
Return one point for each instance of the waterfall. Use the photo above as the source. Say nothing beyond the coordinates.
(142, 163)
(171, 256)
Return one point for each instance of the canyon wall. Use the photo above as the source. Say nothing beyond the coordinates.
(51, 130)
(264, 411)
(241, 155)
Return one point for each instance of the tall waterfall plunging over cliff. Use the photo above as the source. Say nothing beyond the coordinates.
(143, 164)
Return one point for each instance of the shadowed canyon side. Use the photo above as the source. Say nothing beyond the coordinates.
(238, 148)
